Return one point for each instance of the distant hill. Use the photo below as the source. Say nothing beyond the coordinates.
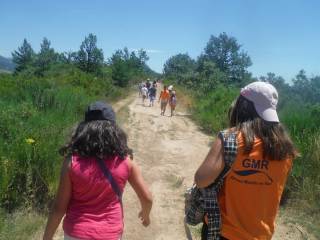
(6, 64)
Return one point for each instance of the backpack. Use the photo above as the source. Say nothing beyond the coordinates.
(201, 201)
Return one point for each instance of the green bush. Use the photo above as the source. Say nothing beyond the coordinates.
(211, 110)
(304, 182)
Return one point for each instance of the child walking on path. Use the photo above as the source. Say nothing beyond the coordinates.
(164, 99)
(96, 168)
(251, 192)
(173, 102)
(144, 91)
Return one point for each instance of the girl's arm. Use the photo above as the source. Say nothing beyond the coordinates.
(160, 96)
(60, 203)
(140, 187)
(212, 166)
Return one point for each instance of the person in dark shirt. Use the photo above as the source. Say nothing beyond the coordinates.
(152, 94)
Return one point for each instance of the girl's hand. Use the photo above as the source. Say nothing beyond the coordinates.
(140, 187)
(144, 217)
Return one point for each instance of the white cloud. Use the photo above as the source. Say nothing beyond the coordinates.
(148, 50)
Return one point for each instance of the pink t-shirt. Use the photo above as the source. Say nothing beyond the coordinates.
(94, 210)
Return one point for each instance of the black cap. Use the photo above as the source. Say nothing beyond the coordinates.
(100, 111)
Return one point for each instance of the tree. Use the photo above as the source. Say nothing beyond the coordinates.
(178, 65)
(67, 57)
(126, 65)
(210, 77)
(307, 88)
(143, 57)
(45, 58)
(120, 69)
(225, 52)
(277, 81)
(23, 57)
(90, 57)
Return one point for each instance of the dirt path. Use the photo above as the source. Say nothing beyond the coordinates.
(168, 150)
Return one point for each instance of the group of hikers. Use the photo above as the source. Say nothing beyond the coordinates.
(251, 159)
(166, 96)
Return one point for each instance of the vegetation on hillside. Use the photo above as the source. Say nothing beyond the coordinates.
(46, 95)
(215, 78)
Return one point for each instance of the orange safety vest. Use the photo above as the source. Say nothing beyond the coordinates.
(250, 197)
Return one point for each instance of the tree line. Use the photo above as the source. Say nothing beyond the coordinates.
(224, 62)
(89, 58)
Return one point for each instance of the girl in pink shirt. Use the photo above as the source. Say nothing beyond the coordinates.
(92, 205)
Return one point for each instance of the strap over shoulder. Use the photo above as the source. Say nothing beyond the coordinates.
(229, 140)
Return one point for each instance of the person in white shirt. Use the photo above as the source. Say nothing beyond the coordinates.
(144, 92)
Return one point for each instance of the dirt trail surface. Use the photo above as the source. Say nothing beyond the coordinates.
(168, 151)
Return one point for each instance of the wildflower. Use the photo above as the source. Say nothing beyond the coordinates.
(30, 141)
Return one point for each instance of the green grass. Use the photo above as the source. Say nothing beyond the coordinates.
(211, 110)
(21, 225)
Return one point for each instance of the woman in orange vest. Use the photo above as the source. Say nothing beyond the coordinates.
(164, 98)
(250, 197)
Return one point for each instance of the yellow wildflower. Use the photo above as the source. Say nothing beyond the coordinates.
(30, 141)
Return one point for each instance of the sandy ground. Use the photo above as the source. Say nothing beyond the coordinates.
(168, 151)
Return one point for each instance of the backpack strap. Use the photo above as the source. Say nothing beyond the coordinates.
(230, 148)
(112, 181)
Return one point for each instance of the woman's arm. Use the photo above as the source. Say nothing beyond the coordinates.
(140, 187)
(212, 166)
(60, 203)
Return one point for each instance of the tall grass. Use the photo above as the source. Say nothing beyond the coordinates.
(29, 225)
(211, 110)
(35, 117)
(304, 183)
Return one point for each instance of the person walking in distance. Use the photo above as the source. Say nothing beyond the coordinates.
(140, 85)
(173, 102)
(164, 99)
(252, 189)
(148, 85)
(152, 94)
(144, 92)
(97, 165)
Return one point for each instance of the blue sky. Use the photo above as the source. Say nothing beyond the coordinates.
(280, 36)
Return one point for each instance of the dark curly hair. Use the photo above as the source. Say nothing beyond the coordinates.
(98, 139)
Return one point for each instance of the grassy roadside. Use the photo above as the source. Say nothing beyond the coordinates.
(21, 225)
